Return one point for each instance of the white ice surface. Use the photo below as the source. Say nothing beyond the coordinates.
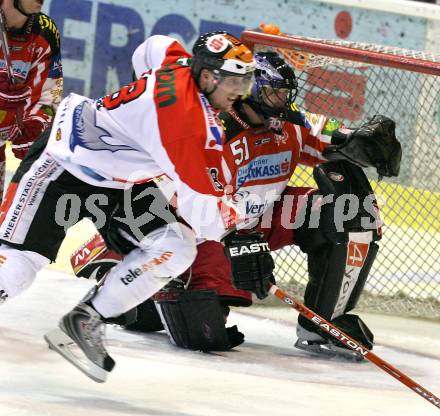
(265, 376)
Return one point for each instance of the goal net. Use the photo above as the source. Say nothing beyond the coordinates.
(353, 81)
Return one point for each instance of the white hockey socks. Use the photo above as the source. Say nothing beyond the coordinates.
(18, 269)
(163, 254)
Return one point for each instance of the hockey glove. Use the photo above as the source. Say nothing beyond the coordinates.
(251, 262)
(12, 96)
(23, 139)
(373, 144)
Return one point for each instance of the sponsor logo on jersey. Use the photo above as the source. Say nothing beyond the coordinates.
(166, 86)
(2, 259)
(215, 133)
(58, 135)
(47, 23)
(20, 68)
(31, 194)
(253, 208)
(229, 215)
(275, 124)
(265, 167)
(236, 117)
(281, 139)
(146, 267)
(262, 141)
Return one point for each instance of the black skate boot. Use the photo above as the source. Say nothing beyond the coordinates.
(318, 342)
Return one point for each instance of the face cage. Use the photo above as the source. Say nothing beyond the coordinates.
(275, 85)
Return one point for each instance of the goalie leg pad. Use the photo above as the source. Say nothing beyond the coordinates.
(338, 261)
(147, 318)
(354, 326)
(195, 320)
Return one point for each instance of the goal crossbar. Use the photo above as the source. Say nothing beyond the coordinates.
(408, 63)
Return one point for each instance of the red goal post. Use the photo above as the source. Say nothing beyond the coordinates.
(353, 81)
(354, 51)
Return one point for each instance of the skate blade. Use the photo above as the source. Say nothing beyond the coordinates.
(329, 351)
(61, 343)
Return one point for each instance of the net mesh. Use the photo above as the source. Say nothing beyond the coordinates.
(405, 278)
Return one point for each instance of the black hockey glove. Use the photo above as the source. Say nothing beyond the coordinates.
(373, 144)
(251, 262)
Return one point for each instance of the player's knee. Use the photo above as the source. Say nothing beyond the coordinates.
(188, 250)
(18, 270)
(176, 243)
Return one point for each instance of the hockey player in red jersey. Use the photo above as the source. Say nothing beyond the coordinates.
(28, 102)
(98, 154)
(266, 137)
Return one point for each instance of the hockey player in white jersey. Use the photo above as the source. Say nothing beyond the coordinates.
(263, 132)
(165, 123)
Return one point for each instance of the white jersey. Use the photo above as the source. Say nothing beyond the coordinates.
(159, 125)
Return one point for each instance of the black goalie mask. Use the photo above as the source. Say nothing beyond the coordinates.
(275, 87)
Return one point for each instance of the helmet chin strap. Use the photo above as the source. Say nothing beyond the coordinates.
(205, 91)
(17, 5)
(207, 94)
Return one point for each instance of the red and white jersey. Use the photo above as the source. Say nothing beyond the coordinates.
(258, 163)
(159, 125)
(36, 61)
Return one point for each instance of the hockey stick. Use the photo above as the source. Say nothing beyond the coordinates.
(9, 68)
(354, 345)
(5, 47)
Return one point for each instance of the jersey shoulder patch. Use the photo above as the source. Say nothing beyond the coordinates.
(45, 26)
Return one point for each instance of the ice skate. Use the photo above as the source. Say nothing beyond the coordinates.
(315, 344)
(79, 340)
